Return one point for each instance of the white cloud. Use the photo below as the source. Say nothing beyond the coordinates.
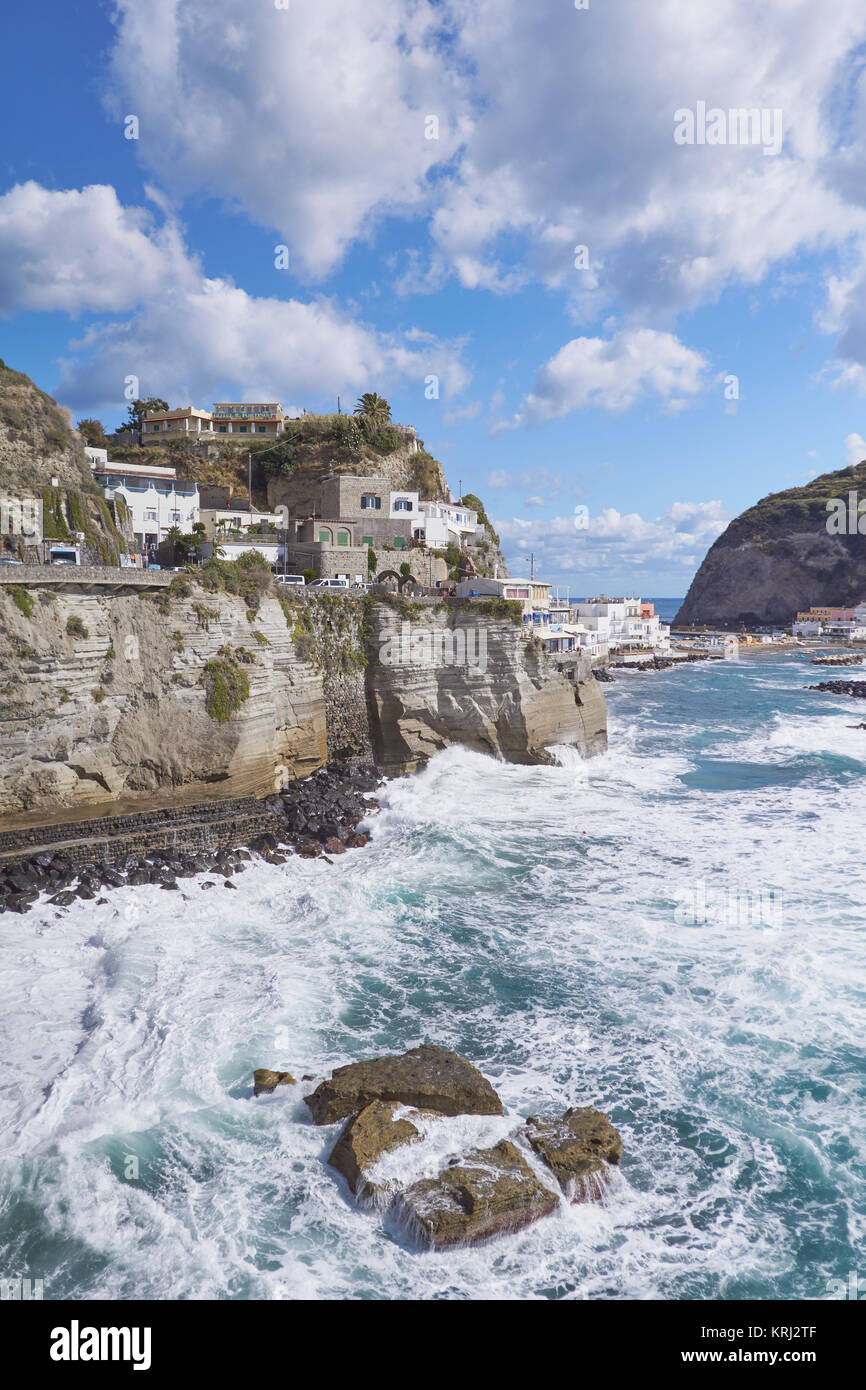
(311, 119)
(534, 502)
(187, 336)
(190, 343)
(498, 478)
(855, 449)
(677, 540)
(80, 249)
(614, 373)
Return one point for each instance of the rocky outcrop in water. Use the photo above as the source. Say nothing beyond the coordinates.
(579, 1147)
(378, 1129)
(490, 1192)
(856, 689)
(778, 558)
(428, 1078)
(268, 1081)
(397, 1104)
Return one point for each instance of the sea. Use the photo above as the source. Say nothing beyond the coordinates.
(672, 932)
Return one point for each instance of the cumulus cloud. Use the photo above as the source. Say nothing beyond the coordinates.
(613, 373)
(311, 119)
(190, 342)
(80, 249)
(183, 335)
(619, 542)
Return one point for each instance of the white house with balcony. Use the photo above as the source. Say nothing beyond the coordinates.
(447, 522)
(157, 499)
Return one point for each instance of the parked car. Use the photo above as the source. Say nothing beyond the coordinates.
(293, 580)
(4, 561)
(329, 584)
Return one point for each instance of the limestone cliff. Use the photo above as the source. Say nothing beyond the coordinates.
(117, 702)
(104, 701)
(442, 674)
(778, 557)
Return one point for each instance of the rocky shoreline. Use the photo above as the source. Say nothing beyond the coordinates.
(392, 1105)
(856, 689)
(316, 817)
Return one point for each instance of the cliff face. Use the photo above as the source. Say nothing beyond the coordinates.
(440, 675)
(112, 703)
(779, 557)
(104, 702)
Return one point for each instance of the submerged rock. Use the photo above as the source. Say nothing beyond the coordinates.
(268, 1081)
(429, 1078)
(578, 1148)
(485, 1194)
(367, 1136)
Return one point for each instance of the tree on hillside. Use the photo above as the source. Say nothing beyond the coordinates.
(93, 432)
(138, 409)
(373, 409)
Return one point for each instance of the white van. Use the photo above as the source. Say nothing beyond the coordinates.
(329, 584)
(296, 580)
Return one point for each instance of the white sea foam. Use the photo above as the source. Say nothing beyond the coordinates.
(481, 917)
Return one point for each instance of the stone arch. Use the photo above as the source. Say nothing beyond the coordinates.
(401, 579)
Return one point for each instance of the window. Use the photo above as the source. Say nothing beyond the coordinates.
(154, 427)
(399, 542)
(370, 502)
(367, 540)
(262, 429)
(242, 428)
(342, 538)
(223, 429)
(402, 504)
(324, 538)
(150, 516)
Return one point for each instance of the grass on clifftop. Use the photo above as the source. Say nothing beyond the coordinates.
(795, 509)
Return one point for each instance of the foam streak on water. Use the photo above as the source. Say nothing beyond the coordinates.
(539, 920)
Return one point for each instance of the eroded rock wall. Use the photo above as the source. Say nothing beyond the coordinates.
(103, 702)
(497, 692)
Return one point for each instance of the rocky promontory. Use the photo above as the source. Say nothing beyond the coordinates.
(780, 557)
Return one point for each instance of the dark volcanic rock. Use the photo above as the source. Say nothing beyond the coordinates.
(856, 689)
(487, 1193)
(429, 1078)
(365, 1139)
(578, 1148)
(779, 557)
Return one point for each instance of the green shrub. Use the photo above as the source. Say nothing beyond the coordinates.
(261, 638)
(22, 599)
(227, 686)
(75, 626)
(98, 695)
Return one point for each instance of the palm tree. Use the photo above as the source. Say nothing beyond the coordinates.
(374, 409)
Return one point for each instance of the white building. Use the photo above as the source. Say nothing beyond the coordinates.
(444, 523)
(626, 622)
(157, 499)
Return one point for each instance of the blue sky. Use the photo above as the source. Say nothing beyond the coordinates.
(558, 386)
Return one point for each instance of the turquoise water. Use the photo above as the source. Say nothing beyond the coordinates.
(673, 932)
